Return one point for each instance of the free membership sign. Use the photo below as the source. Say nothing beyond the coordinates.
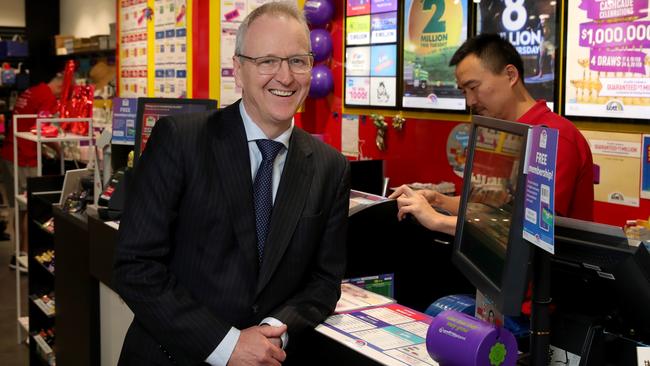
(539, 211)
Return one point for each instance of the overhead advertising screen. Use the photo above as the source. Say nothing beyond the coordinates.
(433, 31)
(382, 6)
(607, 62)
(383, 28)
(371, 58)
(357, 7)
(357, 30)
(530, 26)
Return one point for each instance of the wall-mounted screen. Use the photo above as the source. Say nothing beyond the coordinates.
(607, 64)
(433, 31)
(150, 110)
(530, 26)
(371, 57)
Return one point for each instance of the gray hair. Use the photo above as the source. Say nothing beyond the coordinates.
(287, 8)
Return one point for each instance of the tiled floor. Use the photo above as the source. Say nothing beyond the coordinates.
(11, 353)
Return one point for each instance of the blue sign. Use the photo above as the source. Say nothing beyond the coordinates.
(124, 113)
(539, 211)
(645, 168)
(383, 60)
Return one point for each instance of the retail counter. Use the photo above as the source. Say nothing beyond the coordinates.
(377, 244)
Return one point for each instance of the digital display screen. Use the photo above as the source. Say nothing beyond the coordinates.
(150, 110)
(495, 166)
(433, 31)
(607, 59)
(371, 57)
(531, 27)
(153, 112)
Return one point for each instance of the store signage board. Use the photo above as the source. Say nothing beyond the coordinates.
(606, 63)
(531, 27)
(433, 31)
(539, 212)
(124, 113)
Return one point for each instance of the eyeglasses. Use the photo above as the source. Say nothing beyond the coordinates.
(269, 65)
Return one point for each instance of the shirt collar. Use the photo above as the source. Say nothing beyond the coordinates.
(254, 132)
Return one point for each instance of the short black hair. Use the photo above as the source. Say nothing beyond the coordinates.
(493, 51)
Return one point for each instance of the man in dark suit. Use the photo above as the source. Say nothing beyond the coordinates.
(227, 250)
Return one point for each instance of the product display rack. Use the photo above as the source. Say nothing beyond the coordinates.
(41, 193)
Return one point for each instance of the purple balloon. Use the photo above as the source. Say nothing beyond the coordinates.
(321, 44)
(322, 82)
(319, 12)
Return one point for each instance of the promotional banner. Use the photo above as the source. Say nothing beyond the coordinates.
(383, 60)
(645, 168)
(539, 212)
(382, 6)
(606, 63)
(382, 92)
(616, 155)
(383, 28)
(357, 7)
(357, 61)
(124, 114)
(357, 30)
(357, 90)
(433, 31)
(530, 26)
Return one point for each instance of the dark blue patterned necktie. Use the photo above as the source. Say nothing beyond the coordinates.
(263, 191)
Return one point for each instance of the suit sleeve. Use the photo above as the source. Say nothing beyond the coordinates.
(165, 309)
(318, 299)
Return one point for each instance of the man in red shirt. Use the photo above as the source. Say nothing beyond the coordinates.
(490, 72)
(38, 98)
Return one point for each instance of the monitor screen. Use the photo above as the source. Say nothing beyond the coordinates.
(367, 176)
(489, 247)
(596, 273)
(150, 110)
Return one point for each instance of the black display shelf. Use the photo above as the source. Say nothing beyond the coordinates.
(42, 193)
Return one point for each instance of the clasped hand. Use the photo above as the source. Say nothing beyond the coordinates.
(259, 345)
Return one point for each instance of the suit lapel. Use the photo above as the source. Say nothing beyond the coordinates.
(289, 202)
(231, 154)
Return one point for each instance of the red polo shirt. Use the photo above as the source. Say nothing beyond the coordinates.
(574, 186)
(34, 100)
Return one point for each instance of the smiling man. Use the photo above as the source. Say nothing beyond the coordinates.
(490, 73)
(233, 238)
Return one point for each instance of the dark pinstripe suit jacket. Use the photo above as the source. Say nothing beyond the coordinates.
(186, 261)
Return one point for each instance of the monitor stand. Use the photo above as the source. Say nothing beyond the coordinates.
(540, 322)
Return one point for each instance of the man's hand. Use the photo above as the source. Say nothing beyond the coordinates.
(259, 345)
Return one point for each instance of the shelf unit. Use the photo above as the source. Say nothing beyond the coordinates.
(42, 192)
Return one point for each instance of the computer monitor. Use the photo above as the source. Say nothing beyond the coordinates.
(367, 176)
(596, 273)
(150, 110)
(488, 247)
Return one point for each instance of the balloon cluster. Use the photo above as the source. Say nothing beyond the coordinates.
(318, 14)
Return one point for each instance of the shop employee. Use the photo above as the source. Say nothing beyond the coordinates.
(490, 73)
(233, 238)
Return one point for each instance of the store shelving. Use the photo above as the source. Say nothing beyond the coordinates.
(41, 193)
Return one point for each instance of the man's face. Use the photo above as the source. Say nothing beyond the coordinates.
(273, 99)
(486, 93)
(56, 86)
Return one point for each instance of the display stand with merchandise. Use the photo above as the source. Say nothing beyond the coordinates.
(41, 193)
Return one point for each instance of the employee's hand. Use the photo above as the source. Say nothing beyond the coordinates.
(434, 198)
(257, 346)
(411, 202)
